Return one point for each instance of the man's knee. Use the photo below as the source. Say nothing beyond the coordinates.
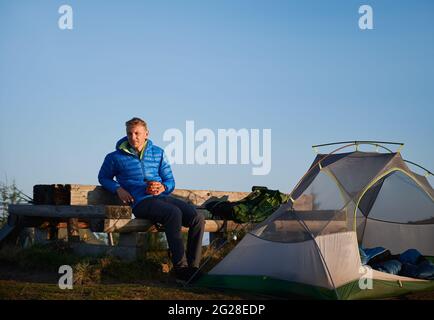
(173, 216)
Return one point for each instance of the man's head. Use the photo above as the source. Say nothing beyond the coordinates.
(137, 133)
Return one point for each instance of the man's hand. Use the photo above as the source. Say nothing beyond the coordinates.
(155, 188)
(124, 195)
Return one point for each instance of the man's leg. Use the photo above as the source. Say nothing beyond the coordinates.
(170, 216)
(196, 224)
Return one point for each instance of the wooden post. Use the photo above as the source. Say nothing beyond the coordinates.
(53, 232)
(73, 230)
(110, 239)
(136, 241)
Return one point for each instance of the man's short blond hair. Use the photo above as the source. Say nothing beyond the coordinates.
(136, 121)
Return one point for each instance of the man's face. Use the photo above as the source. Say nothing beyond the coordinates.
(137, 136)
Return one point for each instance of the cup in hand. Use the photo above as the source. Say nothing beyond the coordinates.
(152, 185)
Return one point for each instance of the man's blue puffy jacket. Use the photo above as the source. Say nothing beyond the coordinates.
(133, 173)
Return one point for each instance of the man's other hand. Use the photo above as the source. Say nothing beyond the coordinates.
(124, 195)
(155, 188)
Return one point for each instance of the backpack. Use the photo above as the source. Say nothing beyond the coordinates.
(255, 207)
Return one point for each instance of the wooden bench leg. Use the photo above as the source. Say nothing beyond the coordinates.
(110, 240)
(135, 242)
(131, 246)
(73, 230)
(53, 233)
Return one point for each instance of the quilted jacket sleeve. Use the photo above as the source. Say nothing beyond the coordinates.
(165, 172)
(107, 173)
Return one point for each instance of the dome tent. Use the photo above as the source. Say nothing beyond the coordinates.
(310, 246)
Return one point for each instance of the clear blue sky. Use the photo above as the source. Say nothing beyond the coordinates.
(301, 68)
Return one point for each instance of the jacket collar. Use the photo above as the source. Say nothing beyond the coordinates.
(124, 146)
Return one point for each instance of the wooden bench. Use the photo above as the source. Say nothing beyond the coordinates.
(75, 207)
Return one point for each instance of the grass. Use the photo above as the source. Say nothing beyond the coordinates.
(32, 273)
(13, 290)
(38, 257)
(87, 270)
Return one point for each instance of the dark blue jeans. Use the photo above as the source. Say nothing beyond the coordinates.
(173, 213)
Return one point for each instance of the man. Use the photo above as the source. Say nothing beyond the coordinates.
(144, 180)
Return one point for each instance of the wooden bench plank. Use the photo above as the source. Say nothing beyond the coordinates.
(201, 197)
(65, 211)
(78, 194)
(142, 225)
